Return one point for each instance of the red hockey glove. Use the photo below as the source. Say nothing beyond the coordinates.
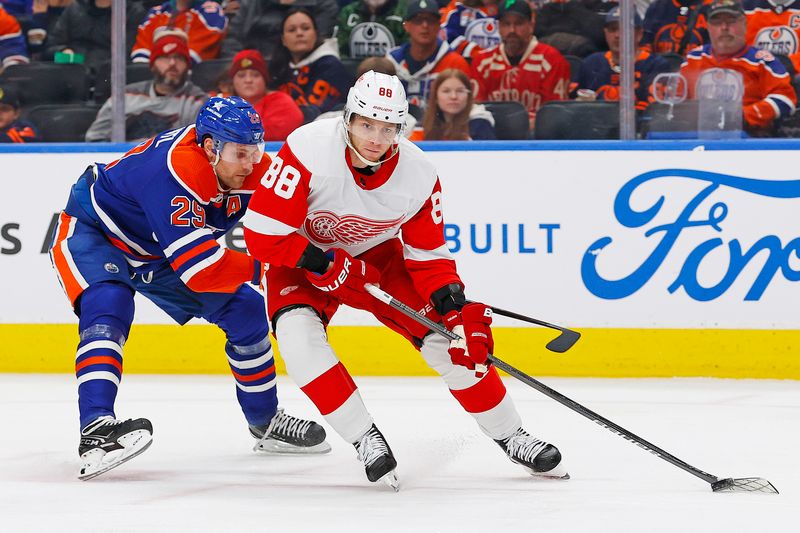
(345, 276)
(476, 343)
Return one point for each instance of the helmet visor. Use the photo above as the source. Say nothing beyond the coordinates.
(242, 153)
(374, 131)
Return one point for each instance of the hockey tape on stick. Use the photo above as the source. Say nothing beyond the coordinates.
(750, 484)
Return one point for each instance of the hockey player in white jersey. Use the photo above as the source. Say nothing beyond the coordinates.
(349, 201)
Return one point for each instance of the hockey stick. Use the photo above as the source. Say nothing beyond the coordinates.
(747, 484)
(560, 344)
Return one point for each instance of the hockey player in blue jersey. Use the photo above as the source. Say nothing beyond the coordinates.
(149, 223)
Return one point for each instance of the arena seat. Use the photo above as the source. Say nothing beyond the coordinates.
(63, 122)
(573, 120)
(134, 72)
(510, 120)
(416, 112)
(575, 63)
(658, 122)
(48, 83)
(351, 66)
(206, 74)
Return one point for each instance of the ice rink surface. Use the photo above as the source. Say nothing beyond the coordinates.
(200, 473)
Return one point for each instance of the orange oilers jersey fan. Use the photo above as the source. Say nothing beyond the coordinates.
(774, 26)
(768, 93)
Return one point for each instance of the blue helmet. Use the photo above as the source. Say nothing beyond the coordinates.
(229, 119)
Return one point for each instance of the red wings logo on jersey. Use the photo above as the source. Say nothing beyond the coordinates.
(328, 228)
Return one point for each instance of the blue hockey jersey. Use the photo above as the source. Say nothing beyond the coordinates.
(161, 202)
(601, 74)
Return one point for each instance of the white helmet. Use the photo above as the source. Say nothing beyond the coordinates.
(378, 96)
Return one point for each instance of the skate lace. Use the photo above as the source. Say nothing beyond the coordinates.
(524, 446)
(371, 447)
(288, 425)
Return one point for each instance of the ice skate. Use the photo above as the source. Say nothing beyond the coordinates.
(537, 457)
(375, 454)
(286, 434)
(106, 443)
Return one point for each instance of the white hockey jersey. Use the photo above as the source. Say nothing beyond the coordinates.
(311, 193)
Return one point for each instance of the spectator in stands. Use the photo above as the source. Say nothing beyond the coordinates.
(768, 93)
(368, 28)
(419, 61)
(12, 129)
(258, 23)
(85, 28)
(43, 20)
(378, 64)
(204, 22)
(600, 72)
(570, 27)
(521, 69)
(307, 68)
(279, 113)
(383, 66)
(13, 50)
(675, 26)
(470, 26)
(774, 25)
(451, 114)
(167, 101)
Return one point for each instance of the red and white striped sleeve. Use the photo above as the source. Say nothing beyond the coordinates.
(427, 257)
(277, 210)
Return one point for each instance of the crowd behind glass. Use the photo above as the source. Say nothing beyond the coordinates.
(472, 69)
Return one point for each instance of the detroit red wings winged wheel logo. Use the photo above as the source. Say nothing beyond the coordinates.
(328, 228)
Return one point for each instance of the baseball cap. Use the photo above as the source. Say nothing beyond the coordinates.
(734, 7)
(9, 96)
(248, 59)
(421, 6)
(170, 42)
(520, 7)
(614, 16)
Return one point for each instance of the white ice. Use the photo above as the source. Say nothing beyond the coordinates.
(200, 473)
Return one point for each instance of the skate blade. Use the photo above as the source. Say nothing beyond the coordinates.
(110, 466)
(390, 478)
(557, 473)
(276, 447)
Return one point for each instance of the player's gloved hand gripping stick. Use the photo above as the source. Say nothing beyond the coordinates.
(748, 484)
(346, 275)
(473, 342)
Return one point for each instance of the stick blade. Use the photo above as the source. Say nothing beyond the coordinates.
(563, 342)
(744, 484)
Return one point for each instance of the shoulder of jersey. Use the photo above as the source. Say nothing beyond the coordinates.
(756, 54)
(697, 53)
(414, 162)
(316, 143)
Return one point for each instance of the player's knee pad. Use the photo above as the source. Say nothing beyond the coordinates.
(108, 303)
(304, 345)
(243, 317)
(434, 351)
